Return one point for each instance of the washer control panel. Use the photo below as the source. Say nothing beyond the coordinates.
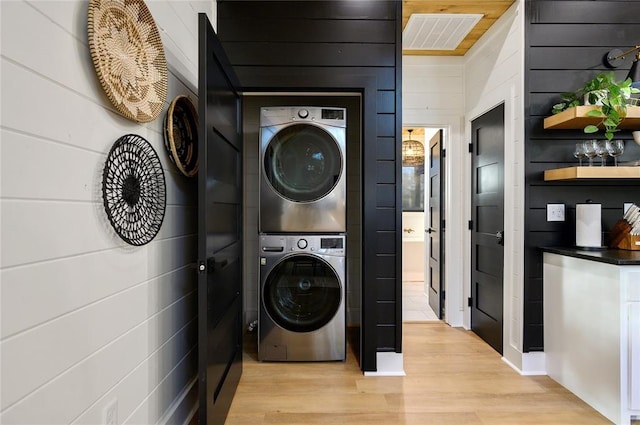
(318, 244)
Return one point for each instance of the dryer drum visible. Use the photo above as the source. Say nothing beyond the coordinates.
(301, 164)
(302, 170)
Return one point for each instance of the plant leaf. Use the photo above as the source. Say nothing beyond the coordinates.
(595, 113)
(591, 129)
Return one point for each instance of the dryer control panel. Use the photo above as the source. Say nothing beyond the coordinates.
(335, 117)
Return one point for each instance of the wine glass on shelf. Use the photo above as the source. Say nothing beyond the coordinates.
(615, 149)
(579, 152)
(601, 151)
(590, 150)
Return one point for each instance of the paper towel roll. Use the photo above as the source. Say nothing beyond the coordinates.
(589, 225)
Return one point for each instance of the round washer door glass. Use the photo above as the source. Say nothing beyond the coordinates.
(302, 293)
(303, 163)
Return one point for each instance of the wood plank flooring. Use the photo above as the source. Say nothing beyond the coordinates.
(453, 378)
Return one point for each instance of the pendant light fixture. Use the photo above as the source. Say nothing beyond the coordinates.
(412, 152)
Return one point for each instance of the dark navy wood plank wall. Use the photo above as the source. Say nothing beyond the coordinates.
(565, 44)
(350, 46)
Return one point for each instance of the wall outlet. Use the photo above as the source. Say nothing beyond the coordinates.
(110, 413)
(555, 212)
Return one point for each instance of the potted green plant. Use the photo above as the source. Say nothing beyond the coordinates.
(613, 107)
(610, 95)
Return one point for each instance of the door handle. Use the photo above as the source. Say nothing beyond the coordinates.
(430, 230)
(500, 237)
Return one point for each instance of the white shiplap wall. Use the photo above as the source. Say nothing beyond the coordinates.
(85, 318)
(433, 96)
(450, 92)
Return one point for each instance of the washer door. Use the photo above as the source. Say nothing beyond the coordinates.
(302, 293)
(302, 163)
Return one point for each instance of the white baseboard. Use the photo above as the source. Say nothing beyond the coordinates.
(388, 364)
(533, 363)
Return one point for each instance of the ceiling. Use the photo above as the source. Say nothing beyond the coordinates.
(491, 10)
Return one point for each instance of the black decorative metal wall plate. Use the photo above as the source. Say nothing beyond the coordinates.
(133, 189)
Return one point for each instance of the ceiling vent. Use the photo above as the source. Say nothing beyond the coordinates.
(436, 31)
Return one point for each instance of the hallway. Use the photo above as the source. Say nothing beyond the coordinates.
(452, 378)
(415, 304)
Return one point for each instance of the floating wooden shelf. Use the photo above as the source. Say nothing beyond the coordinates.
(594, 172)
(575, 118)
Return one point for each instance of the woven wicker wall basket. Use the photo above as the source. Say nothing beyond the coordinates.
(128, 56)
(134, 190)
(181, 135)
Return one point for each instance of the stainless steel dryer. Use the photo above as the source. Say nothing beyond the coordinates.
(303, 172)
(302, 298)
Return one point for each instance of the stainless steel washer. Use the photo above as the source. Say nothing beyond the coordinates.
(302, 298)
(303, 172)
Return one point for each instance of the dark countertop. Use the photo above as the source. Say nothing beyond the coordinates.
(618, 257)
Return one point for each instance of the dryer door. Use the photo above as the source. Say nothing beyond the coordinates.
(302, 293)
(303, 163)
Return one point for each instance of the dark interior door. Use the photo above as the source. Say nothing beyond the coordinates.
(219, 229)
(435, 230)
(487, 247)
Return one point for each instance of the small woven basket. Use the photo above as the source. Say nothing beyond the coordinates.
(181, 135)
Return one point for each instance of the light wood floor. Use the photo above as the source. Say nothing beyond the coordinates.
(453, 378)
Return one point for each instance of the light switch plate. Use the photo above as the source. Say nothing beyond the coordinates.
(555, 212)
(627, 205)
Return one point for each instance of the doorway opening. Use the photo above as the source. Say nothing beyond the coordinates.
(417, 244)
(352, 102)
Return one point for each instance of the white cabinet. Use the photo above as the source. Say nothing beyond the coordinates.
(634, 355)
(592, 332)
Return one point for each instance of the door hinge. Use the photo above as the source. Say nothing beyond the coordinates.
(443, 224)
(470, 147)
(470, 224)
(444, 153)
(469, 302)
(444, 294)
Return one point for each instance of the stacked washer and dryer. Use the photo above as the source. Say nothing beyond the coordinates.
(302, 224)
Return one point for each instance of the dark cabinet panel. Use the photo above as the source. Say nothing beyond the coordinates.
(386, 337)
(262, 77)
(600, 34)
(386, 244)
(585, 12)
(310, 31)
(307, 10)
(310, 54)
(386, 196)
(385, 148)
